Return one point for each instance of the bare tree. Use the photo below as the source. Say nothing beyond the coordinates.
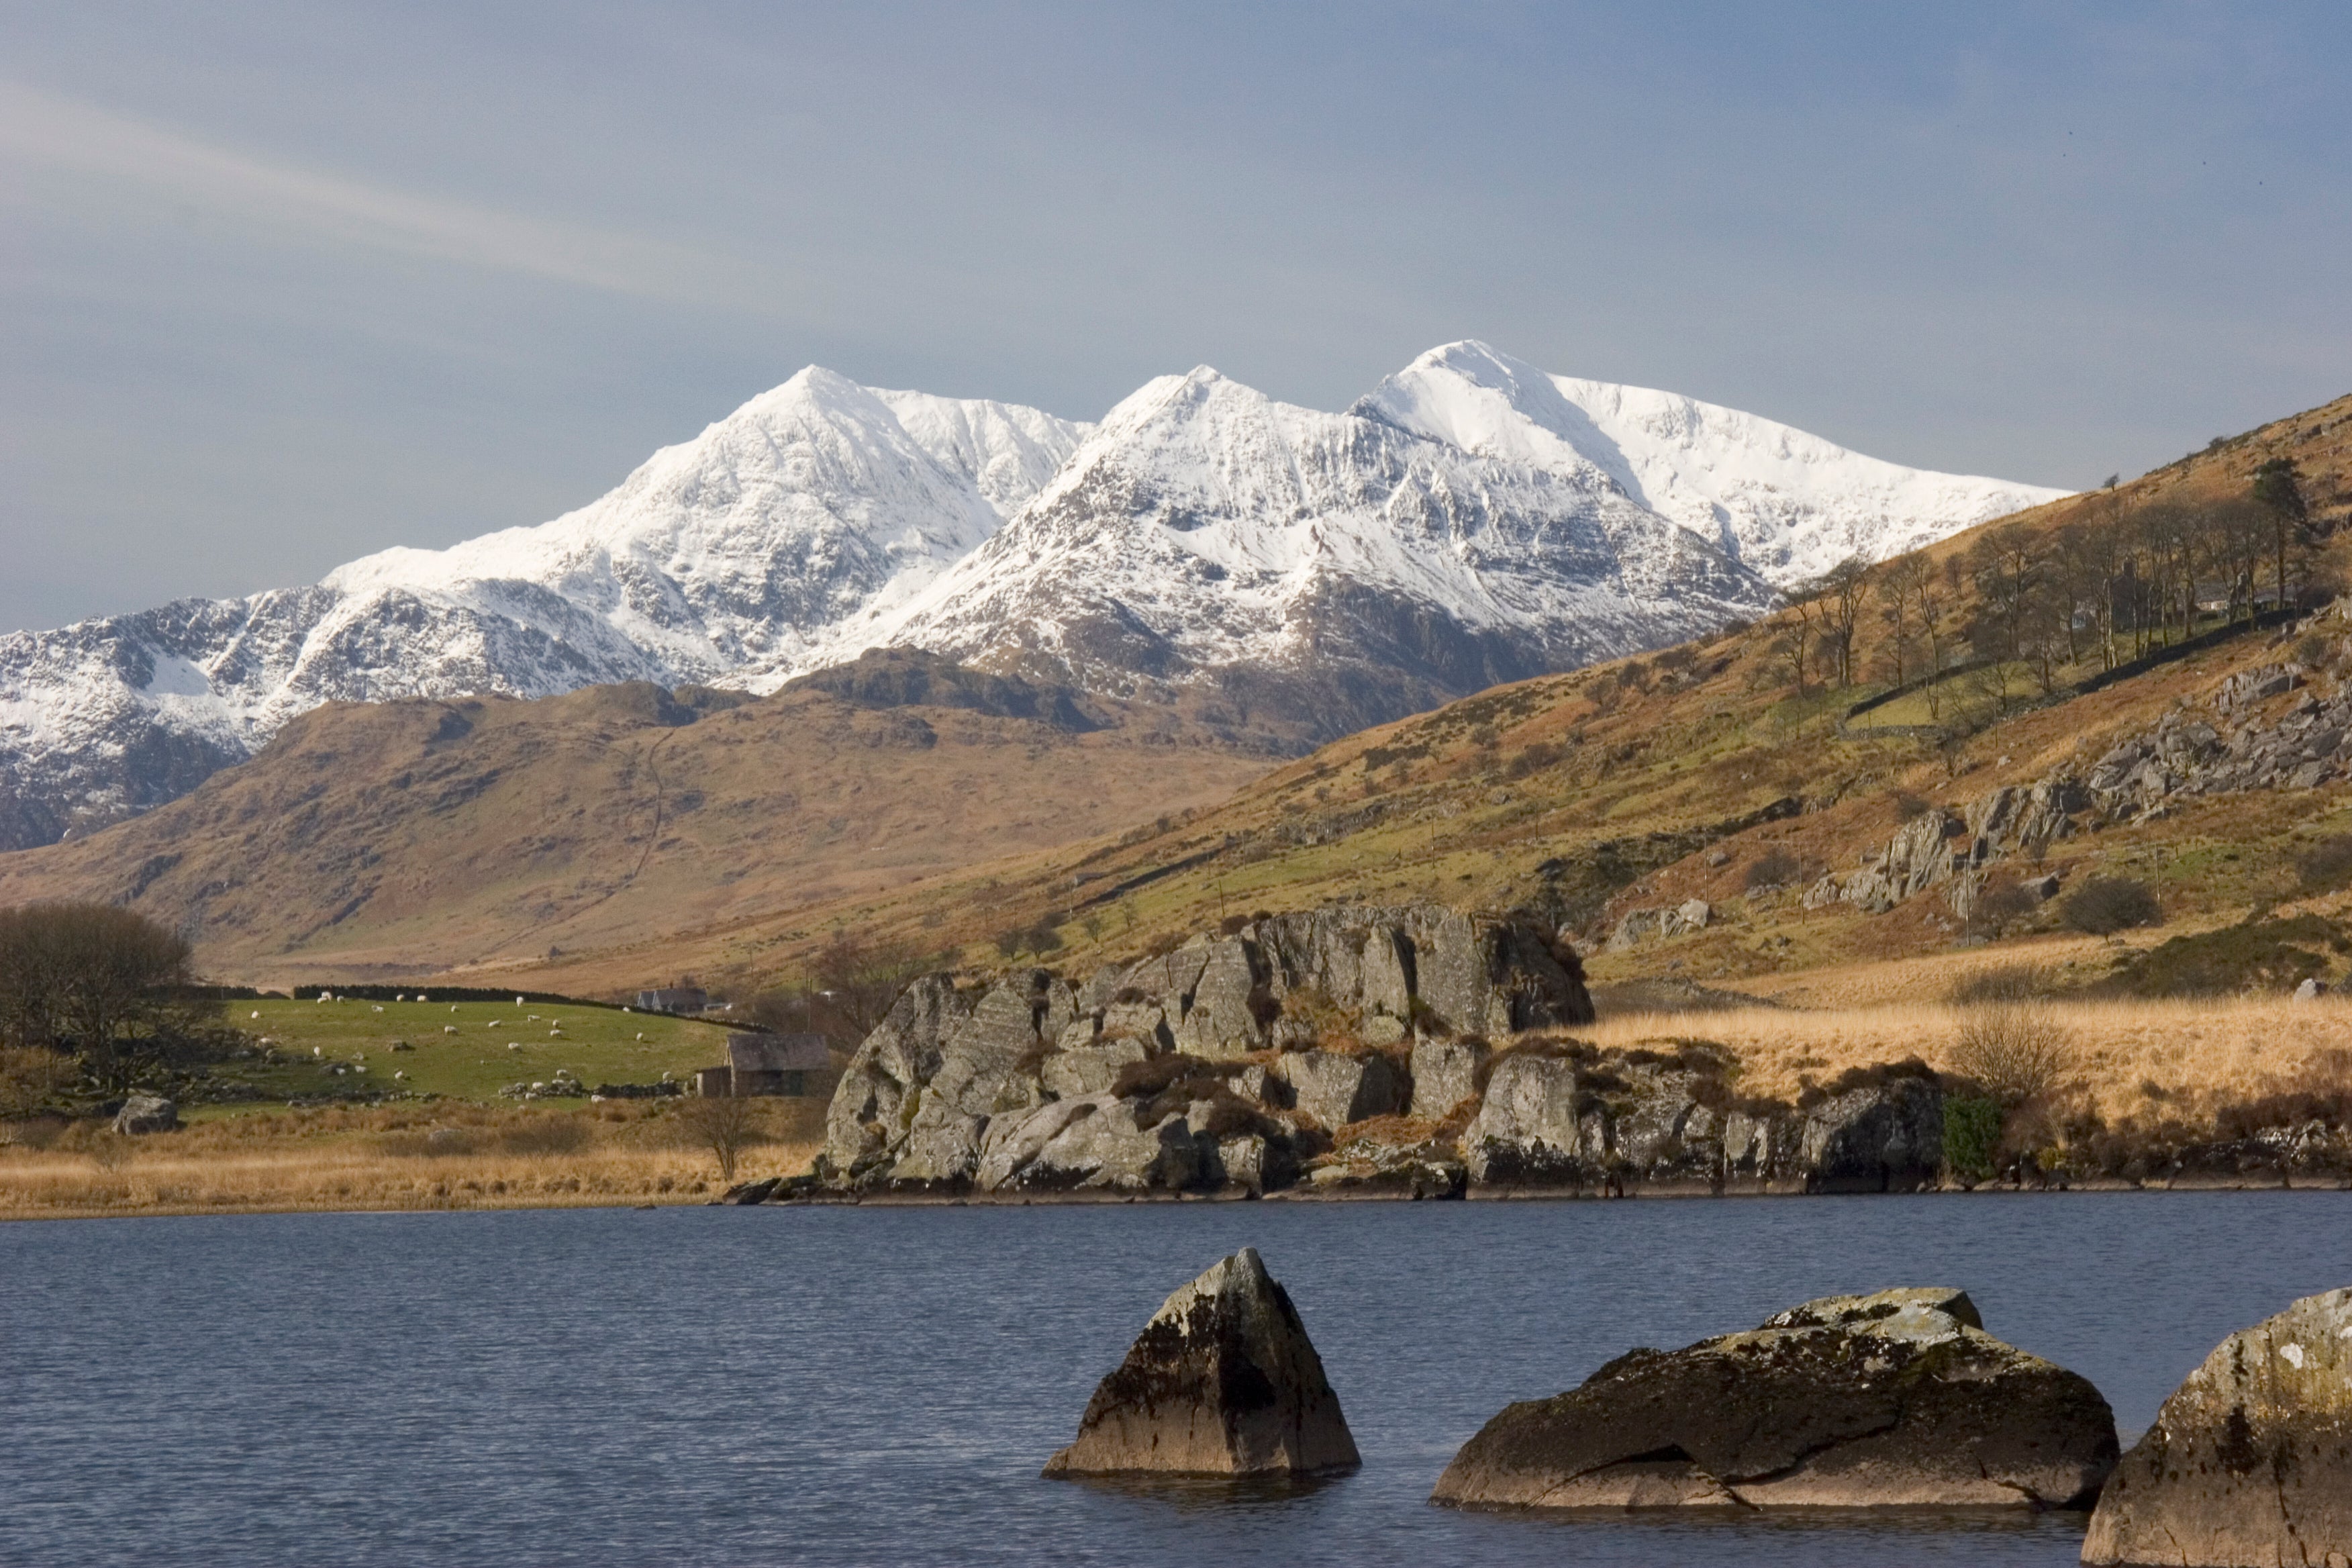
(30, 1077)
(725, 1124)
(849, 989)
(1836, 600)
(2278, 489)
(2018, 1050)
(1904, 587)
(93, 976)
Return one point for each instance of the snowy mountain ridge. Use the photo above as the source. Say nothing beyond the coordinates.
(1472, 519)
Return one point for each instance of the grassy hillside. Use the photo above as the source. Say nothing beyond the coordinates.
(400, 839)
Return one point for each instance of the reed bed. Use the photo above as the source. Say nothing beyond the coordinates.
(2125, 1053)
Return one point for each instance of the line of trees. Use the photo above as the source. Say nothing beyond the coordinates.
(105, 986)
(2115, 585)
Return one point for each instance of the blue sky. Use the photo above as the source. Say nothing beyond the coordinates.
(283, 284)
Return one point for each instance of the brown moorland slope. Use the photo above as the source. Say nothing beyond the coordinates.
(407, 837)
(1654, 781)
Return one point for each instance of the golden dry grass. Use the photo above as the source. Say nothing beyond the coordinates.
(2201, 1050)
(362, 1160)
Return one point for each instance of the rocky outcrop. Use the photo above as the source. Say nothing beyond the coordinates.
(1222, 1382)
(1636, 925)
(2250, 739)
(1217, 1065)
(1569, 1118)
(147, 1113)
(1897, 1399)
(2250, 1460)
(1336, 1088)
(2266, 730)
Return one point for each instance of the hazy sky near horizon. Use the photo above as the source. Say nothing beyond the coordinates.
(287, 283)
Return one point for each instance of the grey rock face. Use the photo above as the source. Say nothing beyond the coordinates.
(147, 1113)
(1223, 1382)
(1570, 1118)
(1886, 1137)
(1445, 1073)
(1091, 1068)
(957, 1087)
(1336, 1089)
(1889, 1400)
(2250, 1460)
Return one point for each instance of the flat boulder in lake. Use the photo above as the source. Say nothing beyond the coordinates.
(1222, 1382)
(2250, 1460)
(1897, 1399)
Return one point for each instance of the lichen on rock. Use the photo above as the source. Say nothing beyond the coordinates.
(2250, 1460)
(1895, 1399)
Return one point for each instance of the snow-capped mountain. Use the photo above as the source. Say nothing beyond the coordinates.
(1788, 504)
(1472, 519)
(731, 556)
(1330, 570)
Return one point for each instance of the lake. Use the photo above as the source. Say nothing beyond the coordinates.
(880, 1385)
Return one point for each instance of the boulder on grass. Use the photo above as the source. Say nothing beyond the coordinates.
(1222, 1382)
(147, 1113)
(1897, 1399)
(2250, 1460)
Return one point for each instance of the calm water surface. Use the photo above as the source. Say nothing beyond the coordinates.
(775, 1385)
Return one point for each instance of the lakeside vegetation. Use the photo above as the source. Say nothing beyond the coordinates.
(443, 1155)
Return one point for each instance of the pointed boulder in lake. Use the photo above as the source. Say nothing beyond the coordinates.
(1222, 1382)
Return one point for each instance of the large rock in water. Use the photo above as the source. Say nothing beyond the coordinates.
(1222, 1382)
(2250, 1460)
(1895, 1399)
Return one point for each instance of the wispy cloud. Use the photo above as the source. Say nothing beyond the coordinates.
(42, 131)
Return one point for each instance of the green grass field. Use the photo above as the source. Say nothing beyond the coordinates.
(493, 1045)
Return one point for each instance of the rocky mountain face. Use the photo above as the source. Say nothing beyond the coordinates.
(1282, 575)
(1321, 571)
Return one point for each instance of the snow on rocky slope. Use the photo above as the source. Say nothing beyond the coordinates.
(732, 556)
(1326, 570)
(1788, 504)
(1471, 520)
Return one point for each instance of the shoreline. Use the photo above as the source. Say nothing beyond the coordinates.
(1303, 1194)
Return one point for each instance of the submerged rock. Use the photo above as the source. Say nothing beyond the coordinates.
(1223, 1382)
(1893, 1399)
(2250, 1460)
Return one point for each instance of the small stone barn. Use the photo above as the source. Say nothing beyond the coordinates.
(773, 1064)
(673, 999)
